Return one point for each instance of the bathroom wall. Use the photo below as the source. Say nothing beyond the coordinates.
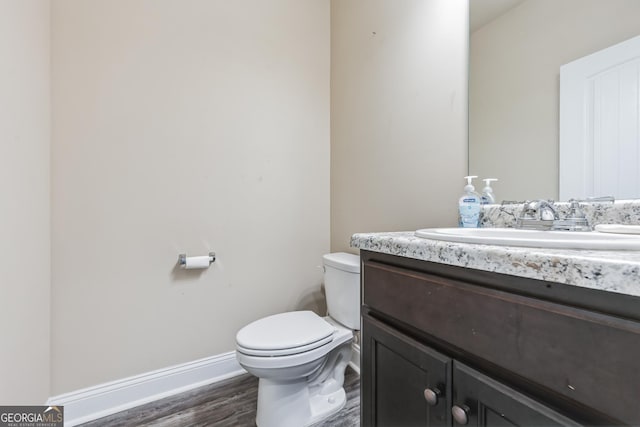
(514, 100)
(183, 126)
(398, 114)
(24, 212)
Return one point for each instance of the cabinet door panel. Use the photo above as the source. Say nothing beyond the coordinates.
(396, 371)
(494, 404)
(595, 356)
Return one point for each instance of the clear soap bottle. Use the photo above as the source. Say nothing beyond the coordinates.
(469, 206)
(488, 198)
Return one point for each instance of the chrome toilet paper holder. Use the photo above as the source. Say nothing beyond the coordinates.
(182, 259)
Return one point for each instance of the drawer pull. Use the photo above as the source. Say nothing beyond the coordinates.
(431, 396)
(460, 414)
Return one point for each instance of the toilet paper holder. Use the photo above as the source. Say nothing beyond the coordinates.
(182, 259)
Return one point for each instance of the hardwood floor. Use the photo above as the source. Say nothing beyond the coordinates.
(227, 403)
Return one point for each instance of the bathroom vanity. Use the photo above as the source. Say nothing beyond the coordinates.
(456, 333)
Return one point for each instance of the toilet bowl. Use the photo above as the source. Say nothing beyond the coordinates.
(300, 357)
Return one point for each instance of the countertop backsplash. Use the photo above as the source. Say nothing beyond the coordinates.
(620, 212)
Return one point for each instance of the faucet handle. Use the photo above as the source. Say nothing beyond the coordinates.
(529, 210)
(575, 220)
(599, 199)
(547, 210)
(575, 210)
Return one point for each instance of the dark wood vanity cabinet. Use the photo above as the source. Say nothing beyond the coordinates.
(444, 345)
(406, 382)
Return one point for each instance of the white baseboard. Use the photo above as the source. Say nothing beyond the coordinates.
(355, 358)
(99, 401)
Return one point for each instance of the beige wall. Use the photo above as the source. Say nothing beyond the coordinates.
(398, 114)
(24, 210)
(189, 126)
(183, 126)
(514, 82)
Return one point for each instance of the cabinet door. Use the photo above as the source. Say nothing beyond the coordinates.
(404, 383)
(481, 401)
(587, 360)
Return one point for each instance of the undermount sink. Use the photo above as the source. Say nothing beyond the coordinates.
(534, 238)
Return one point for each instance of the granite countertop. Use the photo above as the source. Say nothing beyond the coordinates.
(613, 271)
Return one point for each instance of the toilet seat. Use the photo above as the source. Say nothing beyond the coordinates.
(284, 334)
(340, 335)
(284, 351)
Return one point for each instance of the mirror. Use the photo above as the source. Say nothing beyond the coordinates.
(516, 48)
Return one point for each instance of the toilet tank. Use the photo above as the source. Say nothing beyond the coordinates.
(342, 288)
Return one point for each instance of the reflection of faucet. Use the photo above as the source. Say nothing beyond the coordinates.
(575, 220)
(537, 215)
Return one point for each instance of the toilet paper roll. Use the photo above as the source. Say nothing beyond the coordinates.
(192, 262)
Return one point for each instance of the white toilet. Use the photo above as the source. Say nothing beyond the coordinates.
(301, 357)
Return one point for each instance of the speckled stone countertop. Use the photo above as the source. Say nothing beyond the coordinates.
(613, 271)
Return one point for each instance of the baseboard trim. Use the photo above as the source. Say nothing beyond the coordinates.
(355, 358)
(105, 399)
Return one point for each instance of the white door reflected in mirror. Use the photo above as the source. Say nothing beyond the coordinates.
(600, 123)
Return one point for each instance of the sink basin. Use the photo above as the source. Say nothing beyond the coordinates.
(534, 238)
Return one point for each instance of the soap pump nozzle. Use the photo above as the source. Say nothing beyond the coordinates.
(469, 188)
(488, 181)
(487, 191)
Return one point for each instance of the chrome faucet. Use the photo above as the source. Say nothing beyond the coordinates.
(537, 215)
(542, 215)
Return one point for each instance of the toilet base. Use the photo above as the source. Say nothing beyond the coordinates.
(291, 395)
(324, 406)
(290, 405)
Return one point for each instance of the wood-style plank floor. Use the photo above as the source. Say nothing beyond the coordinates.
(229, 403)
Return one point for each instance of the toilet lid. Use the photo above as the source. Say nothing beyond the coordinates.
(285, 331)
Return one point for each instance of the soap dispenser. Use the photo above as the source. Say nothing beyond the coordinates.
(469, 206)
(487, 192)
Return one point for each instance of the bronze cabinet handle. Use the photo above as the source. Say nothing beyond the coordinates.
(460, 414)
(431, 395)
